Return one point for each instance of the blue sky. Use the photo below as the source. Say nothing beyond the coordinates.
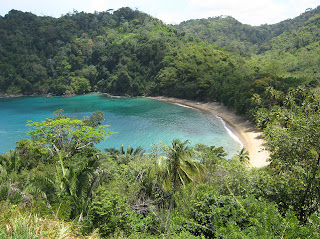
(253, 12)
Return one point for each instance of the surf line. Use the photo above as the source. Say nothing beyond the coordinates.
(185, 106)
(232, 135)
(230, 132)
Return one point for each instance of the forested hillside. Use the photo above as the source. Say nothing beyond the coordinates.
(57, 184)
(130, 53)
(79, 52)
(232, 35)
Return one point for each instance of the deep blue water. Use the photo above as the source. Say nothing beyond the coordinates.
(137, 121)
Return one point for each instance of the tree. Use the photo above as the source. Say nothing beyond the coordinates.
(295, 162)
(130, 151)
(176, 169)
(80, 85)
(123, 156)
(65, 136)
(243, 156)
(74, 183)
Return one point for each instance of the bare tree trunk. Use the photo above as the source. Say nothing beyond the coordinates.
(169, 212)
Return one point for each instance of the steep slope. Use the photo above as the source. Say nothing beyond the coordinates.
(124, 52)
(128, 52)
(81, 52)
(287, 49)
(296, 51)
(227, 32)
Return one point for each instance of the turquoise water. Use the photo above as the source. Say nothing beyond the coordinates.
(136, 121)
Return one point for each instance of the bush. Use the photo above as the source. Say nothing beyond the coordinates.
(16, 223)
(110, 213)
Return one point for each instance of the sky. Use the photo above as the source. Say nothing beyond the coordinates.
(253, 12)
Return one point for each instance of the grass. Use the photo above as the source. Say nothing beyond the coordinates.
(19, 224)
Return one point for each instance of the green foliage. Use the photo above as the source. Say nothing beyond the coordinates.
(177, 168)
(270, 72)
(243, 156)
(295, 158)
(290, 120)
(231, 202)
(75, 179)
(209, 156)
(244, 39)
(196, 72)
(227, 33)
(131, 53)
(118, 53)
(110, 212)
(66, 136)
(17, 222)
(125, 156)
(9, 162)
(204, 212)
(31, 153)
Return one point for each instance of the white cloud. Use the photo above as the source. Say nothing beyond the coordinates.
(301, 6)
(253, 12)
(103, 5)
(171, 17)
(228, 4)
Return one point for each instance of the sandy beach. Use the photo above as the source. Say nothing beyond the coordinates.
(249, 135)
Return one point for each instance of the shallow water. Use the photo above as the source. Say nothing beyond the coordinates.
(136, 121)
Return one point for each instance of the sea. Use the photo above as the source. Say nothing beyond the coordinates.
(135, 121)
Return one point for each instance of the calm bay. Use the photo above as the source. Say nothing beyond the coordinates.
(136, 121)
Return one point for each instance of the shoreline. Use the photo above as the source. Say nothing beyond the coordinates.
(250, 137)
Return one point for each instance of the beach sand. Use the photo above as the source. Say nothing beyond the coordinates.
(249, 135)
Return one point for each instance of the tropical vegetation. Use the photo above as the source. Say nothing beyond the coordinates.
(58, 184)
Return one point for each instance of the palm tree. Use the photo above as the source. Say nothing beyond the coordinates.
(77, 183)
(243, 156)
(130, 151)
(80, 183)
(176, 169)
(123, 156)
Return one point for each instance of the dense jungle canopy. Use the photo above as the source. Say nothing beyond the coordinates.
(58, 179)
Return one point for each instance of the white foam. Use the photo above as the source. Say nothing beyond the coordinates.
(223, 123)
(183, 105)
(230, 132)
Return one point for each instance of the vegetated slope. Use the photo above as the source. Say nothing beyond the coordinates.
(126, 194)
(119, 53)
(128, 52)
(227, 32)
(296, 51)
(81, 52)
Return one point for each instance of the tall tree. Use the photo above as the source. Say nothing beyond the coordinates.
(296, 163)
(65, 136)
(74, 183)
(176, 169)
